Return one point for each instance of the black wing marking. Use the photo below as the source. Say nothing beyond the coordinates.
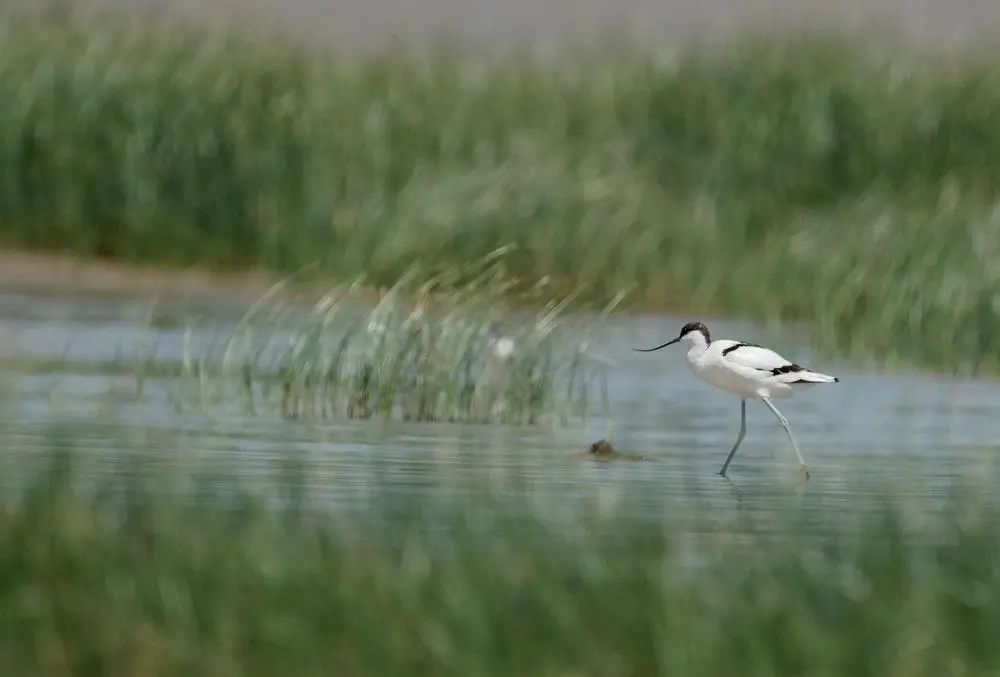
(730, 349)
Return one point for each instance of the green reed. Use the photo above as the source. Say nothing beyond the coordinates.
(450, 346)
(846, 182)
(128, 577)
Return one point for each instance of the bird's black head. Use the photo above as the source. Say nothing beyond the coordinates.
(687, 329)
(695, 326)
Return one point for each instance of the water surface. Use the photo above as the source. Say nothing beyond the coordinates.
(915, 437)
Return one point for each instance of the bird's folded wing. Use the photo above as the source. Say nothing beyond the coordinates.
(755, 357)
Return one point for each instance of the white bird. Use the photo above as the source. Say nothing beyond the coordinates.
(747, 370)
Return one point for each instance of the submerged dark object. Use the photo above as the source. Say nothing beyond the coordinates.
(602, 448)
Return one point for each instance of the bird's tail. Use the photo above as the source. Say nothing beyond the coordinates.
(806, 376)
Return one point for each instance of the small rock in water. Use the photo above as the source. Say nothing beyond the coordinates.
(602, 448)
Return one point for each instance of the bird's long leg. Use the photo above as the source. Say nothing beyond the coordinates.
(739, 438)
(784, 424)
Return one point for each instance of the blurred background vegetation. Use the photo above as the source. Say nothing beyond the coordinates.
(842, 181)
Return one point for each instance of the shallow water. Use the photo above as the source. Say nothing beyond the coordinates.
(912, 436)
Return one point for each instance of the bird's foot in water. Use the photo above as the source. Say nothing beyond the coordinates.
(804, 471)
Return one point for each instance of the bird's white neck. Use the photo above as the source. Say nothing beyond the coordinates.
(696, 345)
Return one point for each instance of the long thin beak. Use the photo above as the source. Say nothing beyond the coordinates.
(649, 350)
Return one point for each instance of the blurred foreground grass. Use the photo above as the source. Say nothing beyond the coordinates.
(819, 178)
(122, 579)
